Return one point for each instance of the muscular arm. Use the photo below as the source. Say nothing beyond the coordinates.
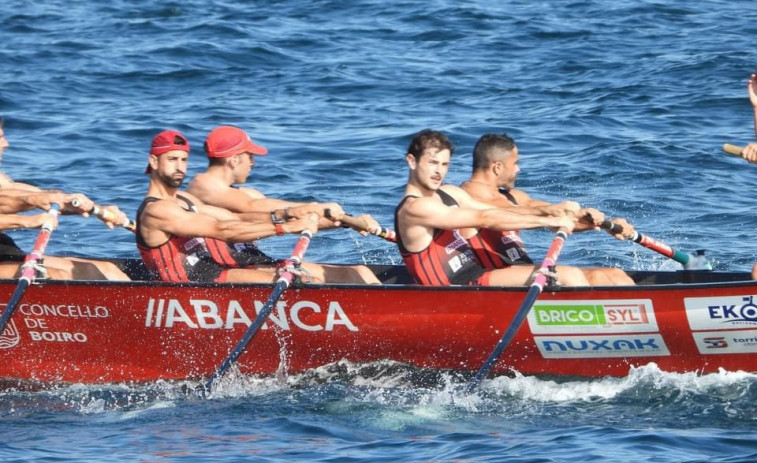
(10, 221)
(251, 205)
(12, 201)
(163, 218)
(431, 213)
(7, 183)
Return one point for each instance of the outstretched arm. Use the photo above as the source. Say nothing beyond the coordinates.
(165, 217)
(10, 221)
(430, 213)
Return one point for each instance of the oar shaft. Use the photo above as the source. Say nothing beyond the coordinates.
(520, 316)
(650, 243)
(106, 215)
(28, 268)
(282, 284)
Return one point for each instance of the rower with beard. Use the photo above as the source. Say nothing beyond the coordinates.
(180, 238)
(433, 221)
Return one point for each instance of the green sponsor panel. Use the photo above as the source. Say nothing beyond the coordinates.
(569, 315)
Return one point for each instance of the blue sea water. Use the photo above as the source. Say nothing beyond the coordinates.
(623, 106)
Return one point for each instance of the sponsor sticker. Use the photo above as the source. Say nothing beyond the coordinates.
(721, 313)
(630, 345)
(726, 342)
(593, 317)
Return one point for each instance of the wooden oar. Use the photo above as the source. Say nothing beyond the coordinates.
(286, 277)
(360, 224)
(536, 288)
(733, 149)
(107, 216)
(30, 266)
(689, 261)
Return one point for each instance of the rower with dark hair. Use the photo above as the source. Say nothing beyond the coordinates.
(231, 156)
(495, 168)
(180, 238)
(434, 221)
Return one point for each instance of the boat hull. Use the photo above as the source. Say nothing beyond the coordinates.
(95, 332)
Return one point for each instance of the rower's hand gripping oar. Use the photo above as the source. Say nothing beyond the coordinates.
(540, 280)
(748, 153)
(689, 261)
(106, 215)
(361, 224)
(30, 267)
(283, 282)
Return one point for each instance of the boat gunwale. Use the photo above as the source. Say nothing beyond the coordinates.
(410, 287)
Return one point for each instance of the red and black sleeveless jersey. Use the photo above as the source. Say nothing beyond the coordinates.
(184, 259)
(448, 259)
(500, 249)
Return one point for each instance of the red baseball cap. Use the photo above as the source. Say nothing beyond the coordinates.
(225, 141)
(168, 140)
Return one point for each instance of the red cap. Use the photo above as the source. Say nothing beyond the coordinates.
(225, 141)
(168, 140)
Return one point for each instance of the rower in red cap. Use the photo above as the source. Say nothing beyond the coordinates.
(231, 154)
(180, 238)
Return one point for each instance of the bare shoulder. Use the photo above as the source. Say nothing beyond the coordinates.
(203, 184)
(476, 190)
(252, 192)
(422, 207)
(156, 212)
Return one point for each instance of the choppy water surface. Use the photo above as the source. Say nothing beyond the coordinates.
(619, 105)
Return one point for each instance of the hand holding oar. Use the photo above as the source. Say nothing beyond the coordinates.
(537, 286)
(285, 278)
(362, 225)
(111, 215)
(30, 266)
(689, 261)
(748, 152)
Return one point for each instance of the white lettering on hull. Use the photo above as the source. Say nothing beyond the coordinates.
(57, 336)
(205, 314)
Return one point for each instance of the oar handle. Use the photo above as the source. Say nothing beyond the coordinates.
(613, 228)
(107, 216)
(361, 224)
(733, 149)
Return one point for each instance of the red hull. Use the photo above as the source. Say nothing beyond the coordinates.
(92, 332)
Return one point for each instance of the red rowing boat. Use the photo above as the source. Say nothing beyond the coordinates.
(98, 332)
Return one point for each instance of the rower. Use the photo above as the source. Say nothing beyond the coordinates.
(180, 238)
(18, 197)
(231, 156)
(433, 219)
(495, 168)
